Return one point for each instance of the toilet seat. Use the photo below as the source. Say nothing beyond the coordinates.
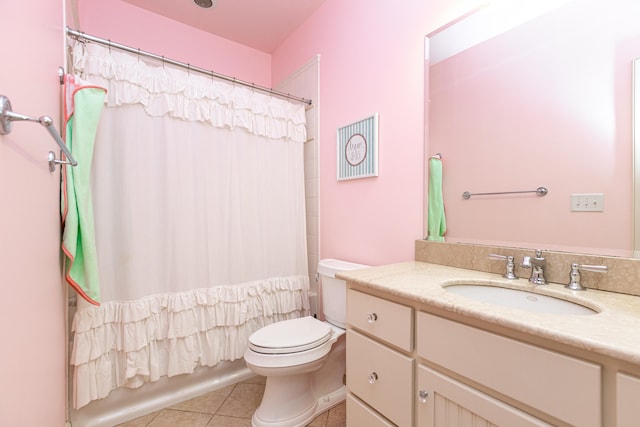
(290, 336)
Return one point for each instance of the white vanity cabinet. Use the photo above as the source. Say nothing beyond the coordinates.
(418, 357)
(445, 402)
(563, 387)
(380, 368)
(627, 400)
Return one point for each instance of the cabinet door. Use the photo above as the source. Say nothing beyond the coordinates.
(445, 402)
(540, 378)
(627, 400)
(359, 414)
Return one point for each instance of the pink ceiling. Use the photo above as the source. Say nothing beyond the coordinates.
(261, 24)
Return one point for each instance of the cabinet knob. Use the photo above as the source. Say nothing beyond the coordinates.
(372, 317)
(422, 395)
(372, 378)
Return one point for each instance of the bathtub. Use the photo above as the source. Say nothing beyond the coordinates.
(126, 404)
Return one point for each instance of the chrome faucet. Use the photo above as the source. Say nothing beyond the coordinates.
(509, 273)
(574, 281)
(537, 265)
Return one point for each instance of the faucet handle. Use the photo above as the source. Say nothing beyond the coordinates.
(574, 281)
(509, 274)
(594, 268)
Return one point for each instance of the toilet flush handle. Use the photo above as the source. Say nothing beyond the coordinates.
(372, 317)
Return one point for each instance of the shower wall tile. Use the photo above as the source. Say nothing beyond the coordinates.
(311, 187)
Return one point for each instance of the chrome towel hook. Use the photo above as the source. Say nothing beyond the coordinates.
(7, 117)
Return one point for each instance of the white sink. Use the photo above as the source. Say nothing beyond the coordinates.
(515, 298)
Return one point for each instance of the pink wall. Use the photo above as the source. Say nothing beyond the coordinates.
(371, 61)
(32, 323)
(135, 27)
(365, 68)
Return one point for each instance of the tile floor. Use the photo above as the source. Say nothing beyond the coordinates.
(231, 406)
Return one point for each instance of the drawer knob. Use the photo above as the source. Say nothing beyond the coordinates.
(372, 378)
(422, 395)
(372, 317)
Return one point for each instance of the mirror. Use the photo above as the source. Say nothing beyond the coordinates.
(547, 103)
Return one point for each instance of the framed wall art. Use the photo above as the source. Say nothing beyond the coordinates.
(358, 149)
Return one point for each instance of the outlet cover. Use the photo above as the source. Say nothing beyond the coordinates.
(593, 202)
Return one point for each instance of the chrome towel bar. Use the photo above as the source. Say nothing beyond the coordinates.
(540, 191)
(7, 117)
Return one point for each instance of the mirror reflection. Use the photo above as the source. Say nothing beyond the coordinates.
(545, 104)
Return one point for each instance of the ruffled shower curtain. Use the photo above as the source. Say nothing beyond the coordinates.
(198, 196)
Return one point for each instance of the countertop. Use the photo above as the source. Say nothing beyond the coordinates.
(614, 331)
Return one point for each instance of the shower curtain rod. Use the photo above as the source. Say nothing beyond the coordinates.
(83, 36)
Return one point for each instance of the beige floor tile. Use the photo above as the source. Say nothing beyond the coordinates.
(222, 421)
(320, 420)
(243, 400)
(208, 403)
(337, 416)
(141, 421)
(173, 418)
(231, 406)
(258, 379)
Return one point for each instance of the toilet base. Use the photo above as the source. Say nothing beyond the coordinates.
(330, 400)
(314, 407)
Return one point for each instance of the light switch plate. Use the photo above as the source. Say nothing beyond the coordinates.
(593, 202)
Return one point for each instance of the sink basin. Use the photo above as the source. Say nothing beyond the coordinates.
(515, 298)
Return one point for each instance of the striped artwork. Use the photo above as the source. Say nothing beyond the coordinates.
(358, 149)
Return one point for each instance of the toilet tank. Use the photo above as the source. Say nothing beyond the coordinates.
(334, 291)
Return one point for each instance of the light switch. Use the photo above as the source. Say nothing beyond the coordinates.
(593, 202)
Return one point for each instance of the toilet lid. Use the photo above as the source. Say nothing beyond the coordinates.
(290, 336)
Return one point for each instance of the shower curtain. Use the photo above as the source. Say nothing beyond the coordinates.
(198, 196)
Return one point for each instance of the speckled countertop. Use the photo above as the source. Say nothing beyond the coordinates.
(614, 331)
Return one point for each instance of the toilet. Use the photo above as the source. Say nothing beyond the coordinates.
(303, 359)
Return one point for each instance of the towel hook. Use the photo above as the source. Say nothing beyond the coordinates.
(7, 117)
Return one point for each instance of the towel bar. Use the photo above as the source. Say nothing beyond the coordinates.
(7, 117)
(540, 191)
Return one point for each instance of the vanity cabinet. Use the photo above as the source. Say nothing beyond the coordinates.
(409, 367)
(566, 388)
(627, 400)
(360, 414)
(445, 402)
(458, 362)
(380, 368)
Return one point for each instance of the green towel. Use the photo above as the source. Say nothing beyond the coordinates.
(78, 238)
(436, 223)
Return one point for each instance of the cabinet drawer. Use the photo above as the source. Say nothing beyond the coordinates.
(359, 414)
(381, 377)
(389, 321)
(561, 386)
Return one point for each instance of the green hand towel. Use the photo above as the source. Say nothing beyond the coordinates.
(436, 223)
(78, 239)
